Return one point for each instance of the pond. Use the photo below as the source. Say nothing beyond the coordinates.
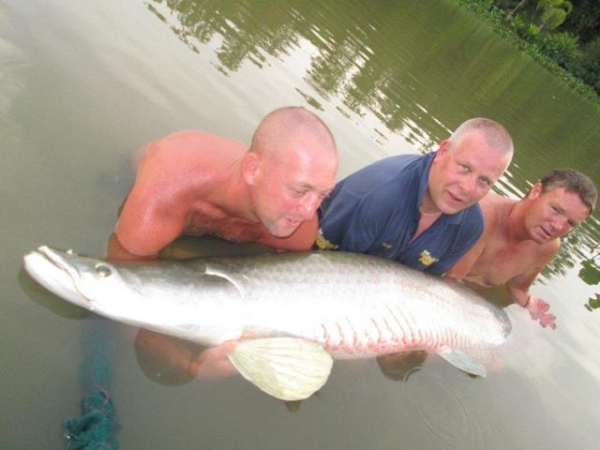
(85, 84)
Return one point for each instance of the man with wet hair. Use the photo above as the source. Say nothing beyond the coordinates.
(521, 236)
(194, 183)
(419, 210)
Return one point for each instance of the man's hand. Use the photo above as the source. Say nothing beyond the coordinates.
(538, 310)
(213, 363)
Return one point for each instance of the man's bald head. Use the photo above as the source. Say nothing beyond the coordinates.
(286, 127)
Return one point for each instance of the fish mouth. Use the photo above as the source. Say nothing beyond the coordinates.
(51, 269)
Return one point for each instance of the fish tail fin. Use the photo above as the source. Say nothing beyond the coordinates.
(286, 368)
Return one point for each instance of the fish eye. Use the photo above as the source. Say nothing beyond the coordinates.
(103, 270)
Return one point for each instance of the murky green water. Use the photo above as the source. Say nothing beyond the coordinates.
(84, 84)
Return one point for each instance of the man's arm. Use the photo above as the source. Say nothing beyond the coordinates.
(145, 225)
(175, 355)
(518, 289)
(116, 252)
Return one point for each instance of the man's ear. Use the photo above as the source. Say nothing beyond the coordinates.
(250, 167)
(443, 148)
(535, 191)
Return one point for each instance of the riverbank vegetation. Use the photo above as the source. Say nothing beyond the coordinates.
(563, 36)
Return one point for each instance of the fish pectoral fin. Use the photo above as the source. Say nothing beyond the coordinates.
(463, 361)
(284, 367)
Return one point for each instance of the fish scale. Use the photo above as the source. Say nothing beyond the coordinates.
(418, 312)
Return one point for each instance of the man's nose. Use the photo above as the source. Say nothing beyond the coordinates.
(308, 205)
(560, 222)
(468, 184)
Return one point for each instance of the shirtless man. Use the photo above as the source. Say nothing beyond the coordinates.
(521, 237)
(193, 183)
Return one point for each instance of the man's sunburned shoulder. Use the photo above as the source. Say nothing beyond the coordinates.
(190, 144)
(496, 204)
(185, 136)
(496, 211)
(189, 161)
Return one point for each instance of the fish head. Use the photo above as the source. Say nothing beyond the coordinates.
(71, 276)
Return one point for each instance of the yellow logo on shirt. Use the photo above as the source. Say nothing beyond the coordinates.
(427, 258)
(324, 244)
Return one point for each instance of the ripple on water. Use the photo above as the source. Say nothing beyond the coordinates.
(441, 411)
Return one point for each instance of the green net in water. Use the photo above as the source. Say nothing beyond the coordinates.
(95, 428)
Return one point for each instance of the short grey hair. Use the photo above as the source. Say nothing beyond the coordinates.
(494, 133)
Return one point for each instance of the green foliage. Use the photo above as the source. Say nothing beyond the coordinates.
(530, 25)
(526, 30)
(590, 273)
(561, 47)
(544, 5)
(552, 13)
(584, 21)
(593, 303)
(587, 66)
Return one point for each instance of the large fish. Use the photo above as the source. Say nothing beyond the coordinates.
(291, 312)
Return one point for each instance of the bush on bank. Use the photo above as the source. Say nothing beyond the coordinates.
(559, 52)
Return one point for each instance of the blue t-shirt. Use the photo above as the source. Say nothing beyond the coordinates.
(376, 211)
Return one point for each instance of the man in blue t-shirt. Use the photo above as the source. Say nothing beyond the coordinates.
(419, 210)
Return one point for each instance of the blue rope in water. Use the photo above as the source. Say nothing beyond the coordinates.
(95, 428)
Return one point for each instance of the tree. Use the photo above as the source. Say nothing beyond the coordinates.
(514, 10)
(584, 21)
(553, 13)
